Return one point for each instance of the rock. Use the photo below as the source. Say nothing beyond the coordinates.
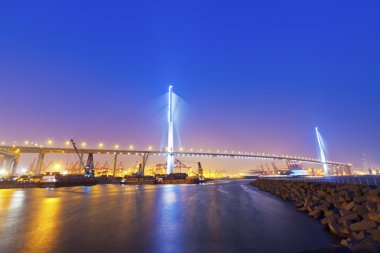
(361, 210)
(348, 217)
(371, 206)
(302, 209)
(344, 231)
(342, 199)
(307, 201)
(374, 216)
(346, 242)
(363, 225)
(316, 213)
(375, 235)
(334, 228)
(329, 219)
(343, 212)
(350, 205)
(366, 246)
(358, 236)
(374, 195)
(359, 199)
(337, 204)
(329, 199)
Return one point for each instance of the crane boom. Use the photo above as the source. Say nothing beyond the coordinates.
(80, 158)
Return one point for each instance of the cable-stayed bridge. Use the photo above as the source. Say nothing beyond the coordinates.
(10, 155)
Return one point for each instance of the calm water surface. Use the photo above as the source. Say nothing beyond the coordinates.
(223, 216)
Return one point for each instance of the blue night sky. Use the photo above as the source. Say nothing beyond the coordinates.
(254, 75)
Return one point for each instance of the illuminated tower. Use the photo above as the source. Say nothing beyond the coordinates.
(322, 152)
(169, 168)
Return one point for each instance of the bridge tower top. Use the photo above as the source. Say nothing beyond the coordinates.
(170, 147)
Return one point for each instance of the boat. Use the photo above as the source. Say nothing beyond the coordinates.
(174, 178)
(252, 174)
(56, 180)
(136, 179)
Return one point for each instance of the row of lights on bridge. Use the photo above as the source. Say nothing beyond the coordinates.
(150, 148)
(50, 143)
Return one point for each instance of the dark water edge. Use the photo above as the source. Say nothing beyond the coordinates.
(222, 216)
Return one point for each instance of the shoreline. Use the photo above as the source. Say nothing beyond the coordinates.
(350, 212)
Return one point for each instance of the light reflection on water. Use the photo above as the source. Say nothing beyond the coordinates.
(43, 228)
(219, 217)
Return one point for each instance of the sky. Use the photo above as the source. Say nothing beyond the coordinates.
(254, 76)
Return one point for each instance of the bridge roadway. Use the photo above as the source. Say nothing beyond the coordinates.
(56, 150)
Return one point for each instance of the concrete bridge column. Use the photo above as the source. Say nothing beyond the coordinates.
(115, 164)
(13, 166)
(348, 170)
(1, 161)
(145, 160)
(40, 162)
(8, 165)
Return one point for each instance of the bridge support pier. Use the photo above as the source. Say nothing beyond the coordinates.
(347, 170)
(1, 161)
(9, 163)
(115, 164)
(40, 162)
(13, 164)
(144, 162)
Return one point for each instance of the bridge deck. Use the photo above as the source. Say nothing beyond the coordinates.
(57, 150)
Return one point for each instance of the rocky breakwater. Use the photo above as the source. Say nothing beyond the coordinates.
(351, 212)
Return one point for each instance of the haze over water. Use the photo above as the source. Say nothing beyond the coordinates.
(221, 216)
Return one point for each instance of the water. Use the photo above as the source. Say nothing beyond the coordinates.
(223, 216)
